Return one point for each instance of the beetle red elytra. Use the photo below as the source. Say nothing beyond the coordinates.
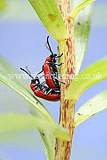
(42, 91)
(50, 69)
(50, 92)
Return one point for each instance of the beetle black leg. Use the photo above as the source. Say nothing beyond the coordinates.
(48, 92)
(43, 88)
(59, 56)
(59, 80)
(42, 76)
(43, 83)
(59, 64)
(62, 82)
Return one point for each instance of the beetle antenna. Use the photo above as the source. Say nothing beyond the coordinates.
(27, 71)
(48, 45)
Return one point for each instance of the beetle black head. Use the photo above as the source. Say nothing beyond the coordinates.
(53, 57)
(35, 81)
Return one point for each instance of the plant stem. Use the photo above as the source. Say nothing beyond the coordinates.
(67, 47)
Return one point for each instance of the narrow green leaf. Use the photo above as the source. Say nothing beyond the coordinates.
(50, 16)
(6, 67)
(80, 7)
(27, 95)
(49, 138)
(82, 30)
(88, 77)
(2, 4)
(17, 11)
(12, 123)
(91, 107)
(16, 122)
(49, 144)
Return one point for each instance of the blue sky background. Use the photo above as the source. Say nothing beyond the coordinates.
(22, 42)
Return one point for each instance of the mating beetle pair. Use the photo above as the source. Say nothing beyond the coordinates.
(50, 92)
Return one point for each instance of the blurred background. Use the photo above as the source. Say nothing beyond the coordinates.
(22, 42)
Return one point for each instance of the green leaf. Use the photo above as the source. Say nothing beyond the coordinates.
(49, 138)
(6, 67)
(13, 123)
(17, 122)
(49, 144)
(80, 7)
(50, 16)
(2, 4)
(88, 77)
(17, 11)
(91, 107)
(82, 30)
(27, 95)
